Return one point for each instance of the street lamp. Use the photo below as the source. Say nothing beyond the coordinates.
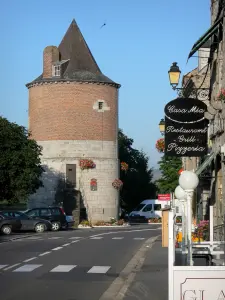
(188, 181)
(162, 126)
(181, 195)
(189, 90)
(174, 75)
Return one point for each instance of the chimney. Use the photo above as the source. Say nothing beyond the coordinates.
(50, 55)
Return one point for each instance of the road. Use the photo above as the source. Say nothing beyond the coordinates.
(70, 265)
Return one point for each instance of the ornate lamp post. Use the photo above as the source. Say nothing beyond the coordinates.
(189, 90)
(188, 181)
(162, 126)
(174, 75)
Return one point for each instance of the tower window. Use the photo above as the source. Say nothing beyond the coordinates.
(56, 71)
(100, 105)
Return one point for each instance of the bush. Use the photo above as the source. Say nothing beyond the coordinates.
(85, 223)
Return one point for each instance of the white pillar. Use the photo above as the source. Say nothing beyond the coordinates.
(189, 227)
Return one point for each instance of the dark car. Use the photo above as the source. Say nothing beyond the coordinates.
(28, 223)
(54, 214)
(7, 224)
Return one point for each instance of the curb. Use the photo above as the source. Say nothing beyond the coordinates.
(117, 290)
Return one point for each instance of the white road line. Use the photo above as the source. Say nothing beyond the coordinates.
(10, 267)
(34, 238)
(74, 237)
(121, 231)
(55, 238)
(99, 269)
(74, 242)
(45, 253)
(63, 268)
(3, 266)
(66, 245)
(29, 259)
(97, 238)
(139, 239)
(57, 248)
(27, 268)
(117, 238)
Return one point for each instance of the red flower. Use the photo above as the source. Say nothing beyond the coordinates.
(160, 145)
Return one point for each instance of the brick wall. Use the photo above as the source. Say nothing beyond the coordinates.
(64, 111)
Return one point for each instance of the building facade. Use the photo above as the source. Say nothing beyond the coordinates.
(213, 164)
(73, 115)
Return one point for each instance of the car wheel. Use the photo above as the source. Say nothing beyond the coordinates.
(56, 226)
(6, 229)
(39, 228)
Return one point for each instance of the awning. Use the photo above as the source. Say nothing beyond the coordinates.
(206, 163)
(205, 37)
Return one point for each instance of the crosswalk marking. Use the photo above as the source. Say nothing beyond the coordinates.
(3, 266)
(11, 267)
(55, 238)
(27, 268)
(99, 269)
(63, 268)
(34, 238)
(66, 245)
(74, 237)
(117, 238)
(97, 238)
(139, 239)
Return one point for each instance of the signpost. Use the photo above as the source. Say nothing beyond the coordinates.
(186, 136)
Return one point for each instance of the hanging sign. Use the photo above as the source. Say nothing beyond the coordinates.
(185, 110)
(185, 128)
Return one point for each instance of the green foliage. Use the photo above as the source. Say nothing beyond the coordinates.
(137, 180)
(20, 165)
(169, 167)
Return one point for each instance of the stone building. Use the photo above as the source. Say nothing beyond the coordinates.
(73, 115)
(196, 84)
(214, 163)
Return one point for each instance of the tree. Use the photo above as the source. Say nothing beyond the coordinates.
(20, 164)
(169, 167)
(137, 180)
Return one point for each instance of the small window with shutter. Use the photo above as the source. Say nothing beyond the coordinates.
(71, 175)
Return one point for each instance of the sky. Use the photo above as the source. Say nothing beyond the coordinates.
(136, 48)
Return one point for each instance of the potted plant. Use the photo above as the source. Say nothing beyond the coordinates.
(117, 184)
(87, 164)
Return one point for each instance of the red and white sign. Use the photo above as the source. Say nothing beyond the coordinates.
(164, 197)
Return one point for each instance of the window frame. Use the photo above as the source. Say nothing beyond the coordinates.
(56, 70)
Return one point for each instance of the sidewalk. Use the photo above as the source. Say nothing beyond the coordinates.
(152, 280)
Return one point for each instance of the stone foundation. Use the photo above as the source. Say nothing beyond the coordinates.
(101, 204)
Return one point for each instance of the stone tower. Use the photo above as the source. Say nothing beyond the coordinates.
(73, 115)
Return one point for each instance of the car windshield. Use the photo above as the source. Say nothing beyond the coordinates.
(139, 207)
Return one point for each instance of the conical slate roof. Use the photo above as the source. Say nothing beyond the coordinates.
(81, 65)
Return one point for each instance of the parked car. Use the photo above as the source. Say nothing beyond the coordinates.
(28, 223)
(8, 225)
(53, 214)
(70, 221)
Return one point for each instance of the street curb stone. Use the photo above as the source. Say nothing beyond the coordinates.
(120, 285)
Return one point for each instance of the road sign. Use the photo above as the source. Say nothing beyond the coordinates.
(164, 197)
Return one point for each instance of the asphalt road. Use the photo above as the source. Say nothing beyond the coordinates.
(69, 265)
